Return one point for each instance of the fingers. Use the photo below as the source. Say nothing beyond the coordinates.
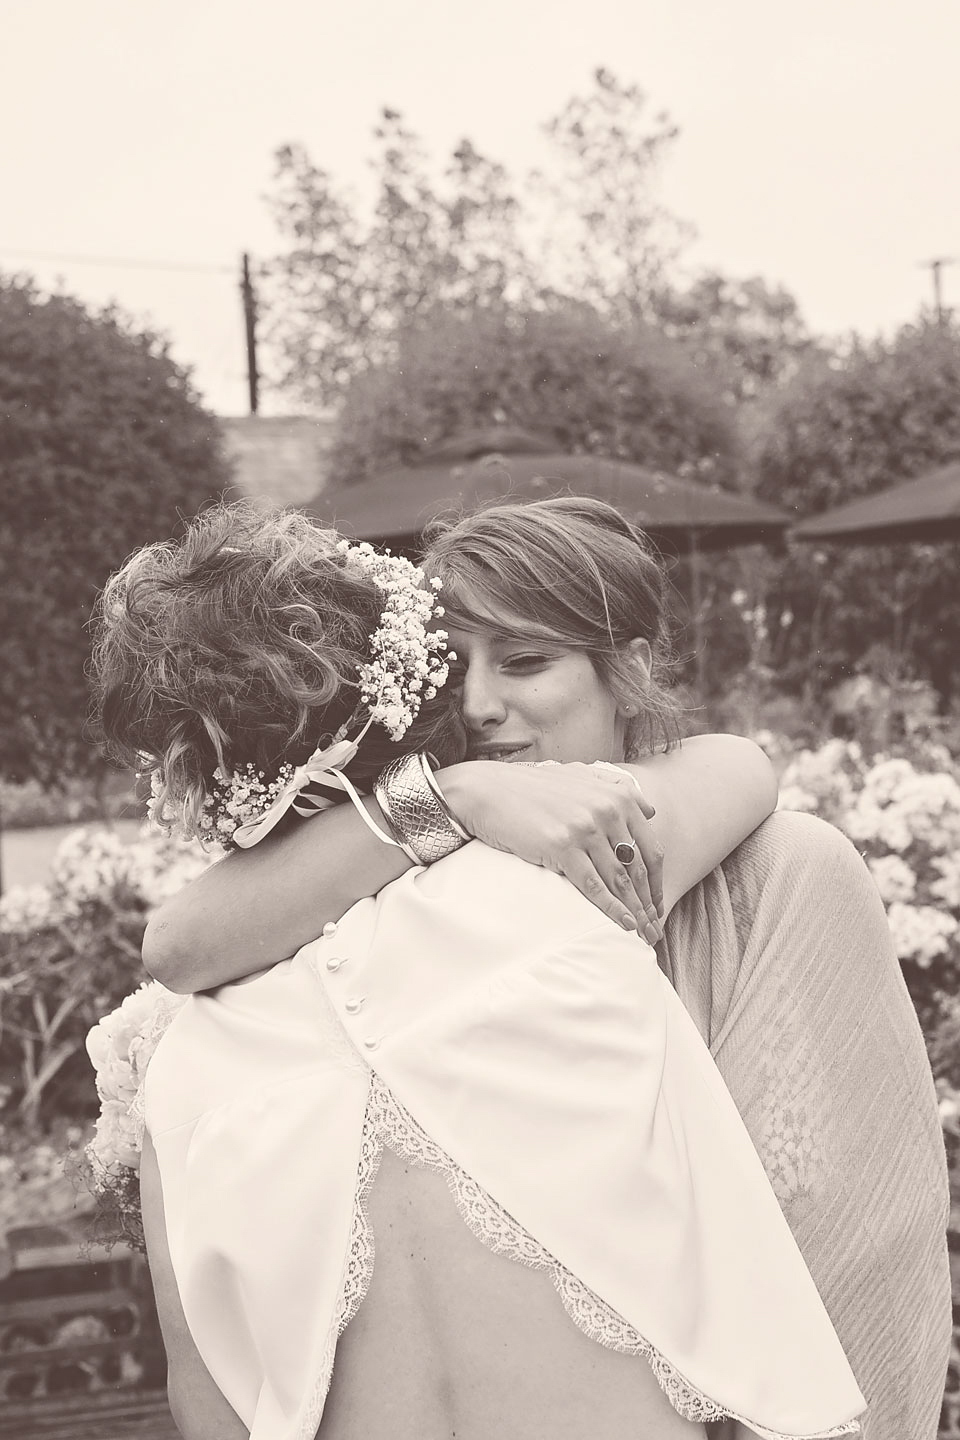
(626, 819)
(650, 887)
(631, 883)
(606, 770)
(580, 870)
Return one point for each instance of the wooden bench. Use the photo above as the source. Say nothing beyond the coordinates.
(80, 1348)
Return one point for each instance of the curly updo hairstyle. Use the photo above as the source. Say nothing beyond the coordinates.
(574, 572)
(239, 644)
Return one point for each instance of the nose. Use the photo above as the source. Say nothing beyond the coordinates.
(481, 700)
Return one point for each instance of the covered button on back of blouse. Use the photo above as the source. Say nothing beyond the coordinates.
(354, 1005)
(372, 1042)
(330, 928)
(335, 961)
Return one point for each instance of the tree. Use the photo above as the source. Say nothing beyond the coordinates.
(609, 241)
(846, 427)
(103, 447)
(752, 333)
(587, 228)
(564, 371)
(343, 288)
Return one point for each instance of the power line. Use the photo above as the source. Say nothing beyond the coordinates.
(119, 262)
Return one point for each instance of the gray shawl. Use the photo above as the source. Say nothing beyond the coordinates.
(784, 959)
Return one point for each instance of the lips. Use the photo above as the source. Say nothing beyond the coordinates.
(498, 752)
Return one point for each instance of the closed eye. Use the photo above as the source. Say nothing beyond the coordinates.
(527, 662)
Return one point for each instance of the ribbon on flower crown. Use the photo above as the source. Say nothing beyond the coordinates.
(324, 767)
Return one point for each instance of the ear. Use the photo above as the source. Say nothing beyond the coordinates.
(642, 655)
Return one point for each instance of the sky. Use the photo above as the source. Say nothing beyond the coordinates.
(819, 140)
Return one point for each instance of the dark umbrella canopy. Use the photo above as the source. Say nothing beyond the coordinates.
(397, 506)
(926, 509)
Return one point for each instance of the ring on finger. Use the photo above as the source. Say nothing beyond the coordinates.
(626, 852)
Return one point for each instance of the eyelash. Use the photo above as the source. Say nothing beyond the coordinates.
(525, 661)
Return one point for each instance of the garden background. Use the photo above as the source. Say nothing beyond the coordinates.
(469, 299)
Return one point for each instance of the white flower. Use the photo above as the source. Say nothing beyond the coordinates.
(947, 886)
(865, 821)
(895, 880)
(27, 908)
(120, 1047)
(403, 647)
(948, 1103)
(920, 932)
(90, 862)
(824, 775)
(794, 797)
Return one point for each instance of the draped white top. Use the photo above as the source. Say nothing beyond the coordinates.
(482, 1018)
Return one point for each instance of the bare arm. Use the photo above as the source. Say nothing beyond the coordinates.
(708, 797)
(261, 905)
(707, 806)
(199, 1410)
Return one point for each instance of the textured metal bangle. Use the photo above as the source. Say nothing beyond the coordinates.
(427, 761)
(416, 811)
(382, 796)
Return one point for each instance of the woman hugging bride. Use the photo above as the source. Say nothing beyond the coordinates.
(474, 1075)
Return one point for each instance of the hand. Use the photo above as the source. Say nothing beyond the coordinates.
(569, 819)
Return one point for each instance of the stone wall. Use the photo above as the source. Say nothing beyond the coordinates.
(278, 460)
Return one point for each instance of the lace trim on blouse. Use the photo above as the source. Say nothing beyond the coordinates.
(387, 1124)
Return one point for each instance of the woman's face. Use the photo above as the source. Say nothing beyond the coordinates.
(532, 700)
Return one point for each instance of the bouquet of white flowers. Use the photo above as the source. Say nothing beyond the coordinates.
(120, 1047)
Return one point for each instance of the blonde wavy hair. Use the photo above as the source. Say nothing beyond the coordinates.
(239, 644)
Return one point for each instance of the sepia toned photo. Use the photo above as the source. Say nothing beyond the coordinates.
(479, 721)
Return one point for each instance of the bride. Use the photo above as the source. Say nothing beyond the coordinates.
(451, 981)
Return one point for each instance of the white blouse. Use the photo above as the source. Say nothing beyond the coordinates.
(481, 1018)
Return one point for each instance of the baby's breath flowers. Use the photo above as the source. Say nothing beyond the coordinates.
(238, 799)
(407, 666)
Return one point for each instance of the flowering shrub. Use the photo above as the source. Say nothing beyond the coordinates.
(903, 814)
(36, 1184)
(69, 952)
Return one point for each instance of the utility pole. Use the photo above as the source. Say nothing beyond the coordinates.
(250, 325)
(936, 266)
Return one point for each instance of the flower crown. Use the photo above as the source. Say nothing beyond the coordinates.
(407, 666)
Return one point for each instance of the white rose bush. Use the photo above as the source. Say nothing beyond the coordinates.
(70, 956)
(903, 815)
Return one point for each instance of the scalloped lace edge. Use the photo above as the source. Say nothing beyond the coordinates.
(387, 1124)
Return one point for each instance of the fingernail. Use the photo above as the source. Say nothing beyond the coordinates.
(628, 922)
(651, 934)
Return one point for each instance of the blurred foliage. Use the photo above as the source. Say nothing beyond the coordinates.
(344, 285)
(70, 952)
(586, 229)
(564, 372)
(750, 334)
(901, 808)
(103, 447)
(843, 428)
(602, 236)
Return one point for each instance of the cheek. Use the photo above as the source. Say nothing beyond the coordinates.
(580, 714)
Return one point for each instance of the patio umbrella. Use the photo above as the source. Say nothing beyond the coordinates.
(395, 507)
(926, 509)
